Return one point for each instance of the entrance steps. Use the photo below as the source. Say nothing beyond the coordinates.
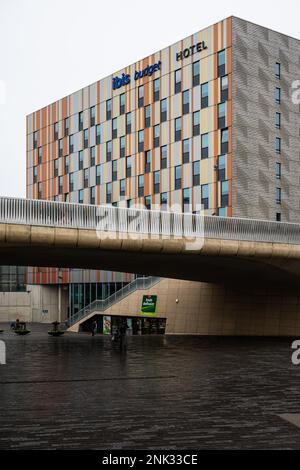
(99, 306)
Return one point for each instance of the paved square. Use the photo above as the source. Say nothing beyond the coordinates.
(77, 392)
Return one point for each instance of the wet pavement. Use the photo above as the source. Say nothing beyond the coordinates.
(76, 392)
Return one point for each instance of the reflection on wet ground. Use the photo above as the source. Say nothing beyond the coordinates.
(167, 392)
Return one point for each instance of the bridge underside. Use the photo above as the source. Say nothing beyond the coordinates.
(216, 261)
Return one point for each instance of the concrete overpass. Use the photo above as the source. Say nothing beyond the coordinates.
(172, 245)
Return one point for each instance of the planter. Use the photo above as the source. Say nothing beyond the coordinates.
(55, 333)
(22, 332)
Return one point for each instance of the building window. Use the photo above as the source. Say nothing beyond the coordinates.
(204, 146)
(141, 141)
(147, 161)
(224, 88)
(186, 200)
(122, 104)
(92, 195)
(147, 202)
(122, 146)
(60, 185)
(205, 196)
(204, 95)
(196, 173)
(66, 164)
(56, 167)
(141, 96)
(141, 185)
(34, 174)
(224, 193)
(92, 116)
(278, 120)
(278, 95)
(60, 147)
(40, 155)
(156, 89)
(56, 131)
(98, 174)
(163, 110)
(71, 182)
(98, 134)
(278, 144)
(108, 151)
(178, 177)
(221, 63)
(277, 70)
(71, 144)
(80, 196)
(66, 126)
(40, 191)
(186, 102)
(85, 138)
(156, 136)
(177, 124)
(115, 128)
(80, 160)
(147, 116)
(35, 139)
(177, 80)
(156, 182)
(108, 110)
(114, 170)
(86, 178)
(164, 201)
(221, 168)
(278, 170)
(196, 73)
(185, 150)
(221, 115)
(128, 167)
(163, 157)
(122, 187)
(108, 193)
(80, 121)
(92, 156)
(196, 123)
(66, 197)
(129, 203)
(128, 123)
(278, 195)
(224, 141)
(278, 217)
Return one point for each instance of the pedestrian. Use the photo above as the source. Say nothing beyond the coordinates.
(123, 336)
(17, 326)
(94, 328)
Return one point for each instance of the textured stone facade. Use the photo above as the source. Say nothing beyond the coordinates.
(255, 51)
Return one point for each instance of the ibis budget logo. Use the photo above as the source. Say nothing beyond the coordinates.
(118, 82)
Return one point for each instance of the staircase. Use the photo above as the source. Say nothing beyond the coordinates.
(101, 305)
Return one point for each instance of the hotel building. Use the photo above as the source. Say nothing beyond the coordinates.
(207, 122)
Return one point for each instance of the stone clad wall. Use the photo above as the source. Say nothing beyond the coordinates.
(209, 309)
(29, 306)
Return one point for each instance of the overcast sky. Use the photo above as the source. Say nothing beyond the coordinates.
(50, 48)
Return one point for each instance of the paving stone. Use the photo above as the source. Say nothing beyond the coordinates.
(177, 392)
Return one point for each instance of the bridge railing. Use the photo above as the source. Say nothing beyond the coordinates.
(121, 220)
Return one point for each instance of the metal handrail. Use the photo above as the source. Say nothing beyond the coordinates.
(101, 305)
(117, 220)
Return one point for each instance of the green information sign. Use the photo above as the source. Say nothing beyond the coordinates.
(149, 305)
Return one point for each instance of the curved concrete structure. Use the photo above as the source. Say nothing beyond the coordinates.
(212, 260)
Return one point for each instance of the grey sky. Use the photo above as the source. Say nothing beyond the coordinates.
(50, 48)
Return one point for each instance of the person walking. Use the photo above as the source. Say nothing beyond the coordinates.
(94, 328)
(123, 336)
